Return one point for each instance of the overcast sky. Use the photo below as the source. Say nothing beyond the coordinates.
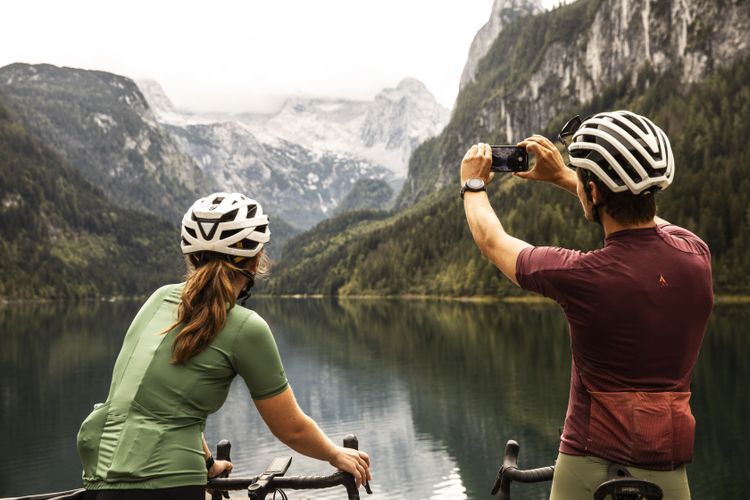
(249, 55)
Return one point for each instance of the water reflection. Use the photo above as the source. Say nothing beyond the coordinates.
(433, 390)
(56, 361)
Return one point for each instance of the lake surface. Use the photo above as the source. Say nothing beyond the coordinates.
(432, 389)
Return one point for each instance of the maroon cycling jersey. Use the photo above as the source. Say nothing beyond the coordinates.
(637, 310)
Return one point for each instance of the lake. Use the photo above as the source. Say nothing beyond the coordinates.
(432, 389)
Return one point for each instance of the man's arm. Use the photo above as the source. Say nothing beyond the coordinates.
(490, 236)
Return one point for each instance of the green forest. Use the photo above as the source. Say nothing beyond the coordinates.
(62, 238)
(65, 237)
(426, 249)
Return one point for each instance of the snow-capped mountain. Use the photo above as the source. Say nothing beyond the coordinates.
(295, 183)
(304, 159)
(383, 131)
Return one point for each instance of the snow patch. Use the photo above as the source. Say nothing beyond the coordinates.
(104, 121)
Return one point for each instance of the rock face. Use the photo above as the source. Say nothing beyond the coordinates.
(103, 126)
(383, 131)
(294, 183)
(561, 60)
(303, 160)
(503, 12)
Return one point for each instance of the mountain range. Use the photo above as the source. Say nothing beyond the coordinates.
(104, 148)
(305, 158)
(684, 63)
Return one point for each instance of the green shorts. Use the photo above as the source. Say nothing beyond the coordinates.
(576, 478)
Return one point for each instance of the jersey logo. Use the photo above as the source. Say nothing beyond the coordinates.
(663, 281)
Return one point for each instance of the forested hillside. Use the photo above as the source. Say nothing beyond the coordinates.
(367, 194)
(427, 248)
(61, 238)
(102, 125)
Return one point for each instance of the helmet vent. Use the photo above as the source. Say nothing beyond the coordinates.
(229, 232)
(191, 232)
(251, 211)
(229, 216)
(246, 244)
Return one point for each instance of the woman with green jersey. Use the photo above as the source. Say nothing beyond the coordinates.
(178, 359)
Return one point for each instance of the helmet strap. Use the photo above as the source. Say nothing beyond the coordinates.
(245, 292)
(595, 213)
(595, 207)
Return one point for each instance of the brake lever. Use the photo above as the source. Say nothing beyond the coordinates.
(351, 441)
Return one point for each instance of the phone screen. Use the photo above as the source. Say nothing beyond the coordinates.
(509, 159)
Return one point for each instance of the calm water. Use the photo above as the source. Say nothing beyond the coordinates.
(433, 390)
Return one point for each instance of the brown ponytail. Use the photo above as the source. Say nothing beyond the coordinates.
(206, 299)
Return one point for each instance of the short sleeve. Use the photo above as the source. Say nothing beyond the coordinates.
(682, 239)
(541, 269)
(256, 358)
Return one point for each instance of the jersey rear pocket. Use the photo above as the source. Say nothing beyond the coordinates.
(89, 438)
(648, 429)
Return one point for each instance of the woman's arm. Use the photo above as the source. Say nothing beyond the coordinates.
(291, 426)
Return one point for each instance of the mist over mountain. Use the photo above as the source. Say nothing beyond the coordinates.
(304, 159)
(383, 131)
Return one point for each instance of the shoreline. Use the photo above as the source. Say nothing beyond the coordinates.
(519, 299)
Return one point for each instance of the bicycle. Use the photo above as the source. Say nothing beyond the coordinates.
(620, 485)
(258, 487)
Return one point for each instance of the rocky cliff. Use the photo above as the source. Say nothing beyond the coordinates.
(684, 63)
(540, 67)
(503, 13)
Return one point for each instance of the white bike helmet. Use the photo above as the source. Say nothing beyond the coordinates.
(624, 150)
(226, 223)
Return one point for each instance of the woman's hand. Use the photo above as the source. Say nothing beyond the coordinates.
(355, 462)
(220, 466)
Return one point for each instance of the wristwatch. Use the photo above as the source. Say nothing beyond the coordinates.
(474, 185)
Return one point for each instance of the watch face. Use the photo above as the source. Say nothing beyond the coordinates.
(475, 183)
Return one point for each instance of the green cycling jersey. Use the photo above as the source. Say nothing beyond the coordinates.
(147, 434)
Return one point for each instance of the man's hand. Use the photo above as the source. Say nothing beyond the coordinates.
(476, 164)
(549, 165)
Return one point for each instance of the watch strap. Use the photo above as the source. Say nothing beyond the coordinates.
(466, 187)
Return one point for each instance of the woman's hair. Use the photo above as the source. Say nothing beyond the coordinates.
(206, 300)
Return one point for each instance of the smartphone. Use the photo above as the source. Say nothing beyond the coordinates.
(509, 159)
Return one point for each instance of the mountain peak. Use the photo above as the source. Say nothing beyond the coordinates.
(412, 84)
(155, 96)
(503, 12)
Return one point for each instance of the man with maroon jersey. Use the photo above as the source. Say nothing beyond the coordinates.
(637, 308)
